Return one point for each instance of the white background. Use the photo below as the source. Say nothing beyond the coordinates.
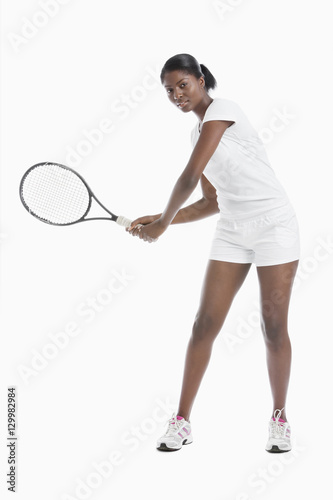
(67, 66)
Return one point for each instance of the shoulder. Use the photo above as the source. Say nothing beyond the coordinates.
(222, 109)
(223, 104)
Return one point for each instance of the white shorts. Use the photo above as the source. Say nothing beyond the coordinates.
(265, 240)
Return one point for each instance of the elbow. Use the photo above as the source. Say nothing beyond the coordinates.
(213, 205)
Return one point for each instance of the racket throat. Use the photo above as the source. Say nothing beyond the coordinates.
(99, 212)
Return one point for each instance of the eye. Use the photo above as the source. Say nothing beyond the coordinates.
(182, 85)
(169, 91)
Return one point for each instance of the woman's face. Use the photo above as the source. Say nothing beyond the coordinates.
(184, 91)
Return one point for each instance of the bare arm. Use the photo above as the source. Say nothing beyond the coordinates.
(202, 208)
(210, 136)
(206, 206)
(208, 141)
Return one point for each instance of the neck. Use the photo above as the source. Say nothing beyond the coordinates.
(200, 110)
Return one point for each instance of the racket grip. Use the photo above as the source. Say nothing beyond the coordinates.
(123, 221)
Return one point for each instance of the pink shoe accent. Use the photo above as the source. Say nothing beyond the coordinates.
(178, 418)
(280, 419)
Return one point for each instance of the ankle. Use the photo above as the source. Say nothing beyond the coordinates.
(184, 415)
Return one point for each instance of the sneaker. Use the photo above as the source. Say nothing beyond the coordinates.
(178, 433)
(279, 434)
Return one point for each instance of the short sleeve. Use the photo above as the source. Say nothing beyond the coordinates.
(222, 109)
(194, 136)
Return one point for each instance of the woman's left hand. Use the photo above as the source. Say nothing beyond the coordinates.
(149, 232)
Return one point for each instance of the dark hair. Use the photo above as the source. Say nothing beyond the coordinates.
(188, 64)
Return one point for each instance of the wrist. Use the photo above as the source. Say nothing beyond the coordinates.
(164, 222)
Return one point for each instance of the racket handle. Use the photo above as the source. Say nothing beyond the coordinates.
(123, 221)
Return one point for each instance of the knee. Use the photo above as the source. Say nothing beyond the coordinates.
(275, 332)
(205, 327)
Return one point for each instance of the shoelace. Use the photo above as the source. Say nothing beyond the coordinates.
(174, 424)
(277, 427)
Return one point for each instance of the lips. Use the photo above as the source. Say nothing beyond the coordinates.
(181, 104)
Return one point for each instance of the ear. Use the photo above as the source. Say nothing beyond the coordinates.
(202, 82)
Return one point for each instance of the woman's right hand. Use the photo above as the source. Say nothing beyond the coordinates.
(146, 219)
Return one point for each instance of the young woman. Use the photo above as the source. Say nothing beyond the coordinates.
(257, 224)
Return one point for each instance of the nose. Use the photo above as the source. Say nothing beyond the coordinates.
(177, 94)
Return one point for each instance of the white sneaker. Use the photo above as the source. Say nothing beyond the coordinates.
(279, 434)
(179, 432)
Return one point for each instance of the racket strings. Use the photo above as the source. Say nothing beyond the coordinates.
(55, 194)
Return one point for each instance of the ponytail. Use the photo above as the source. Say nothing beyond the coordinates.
(210, 82)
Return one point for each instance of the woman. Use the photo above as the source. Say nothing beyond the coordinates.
(257, 224)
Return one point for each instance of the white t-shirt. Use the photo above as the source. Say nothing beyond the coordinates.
(239, 169)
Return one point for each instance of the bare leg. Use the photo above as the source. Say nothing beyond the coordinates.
(221, 284)
(275, 291)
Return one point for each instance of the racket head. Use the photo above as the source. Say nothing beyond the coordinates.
(55, 194)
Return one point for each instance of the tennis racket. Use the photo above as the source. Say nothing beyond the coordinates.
(58, 195)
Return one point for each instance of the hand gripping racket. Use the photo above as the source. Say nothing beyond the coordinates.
(58, 195)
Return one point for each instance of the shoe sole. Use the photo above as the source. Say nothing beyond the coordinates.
(276, 449)
(163, 446)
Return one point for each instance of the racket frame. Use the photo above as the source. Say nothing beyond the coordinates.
(90, 193)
